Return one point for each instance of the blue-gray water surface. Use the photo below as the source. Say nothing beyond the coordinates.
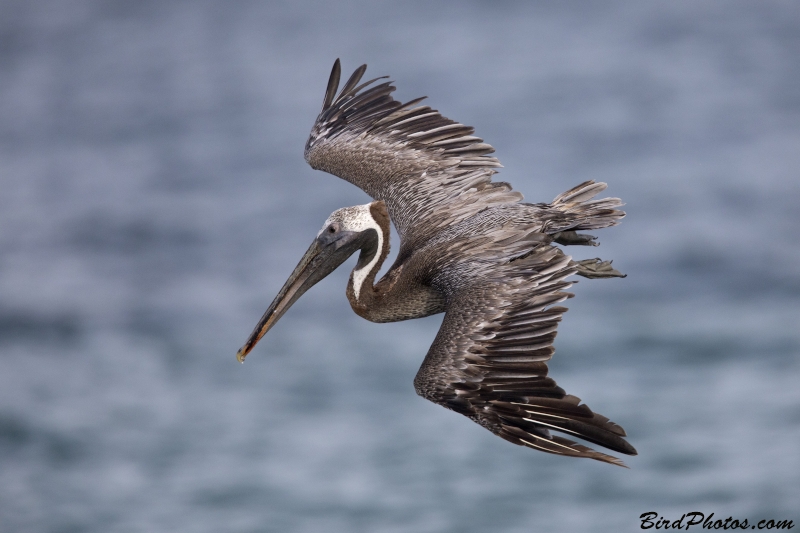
(153, 197)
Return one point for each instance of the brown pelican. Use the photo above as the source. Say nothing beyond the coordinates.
(469, 248)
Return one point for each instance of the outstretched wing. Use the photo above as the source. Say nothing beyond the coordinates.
(428, 169)
(489, 359)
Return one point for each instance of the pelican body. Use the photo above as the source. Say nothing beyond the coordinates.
(469, 248)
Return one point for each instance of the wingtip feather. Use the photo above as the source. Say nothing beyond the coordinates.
(353, 81)
(333, 84)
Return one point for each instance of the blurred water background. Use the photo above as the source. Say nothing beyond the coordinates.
(153, 197)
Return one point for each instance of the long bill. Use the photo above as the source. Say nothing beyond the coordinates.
(294, 287)
(323, 257)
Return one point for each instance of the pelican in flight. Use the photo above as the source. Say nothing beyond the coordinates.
(469, 248)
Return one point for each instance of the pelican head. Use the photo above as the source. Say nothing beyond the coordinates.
(346, 231)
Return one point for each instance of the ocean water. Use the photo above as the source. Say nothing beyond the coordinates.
(153, 198)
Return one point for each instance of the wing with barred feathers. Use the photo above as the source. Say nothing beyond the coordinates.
(429, 169)
(489, 359)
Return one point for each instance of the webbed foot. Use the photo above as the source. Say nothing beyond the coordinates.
(568, 238)
(597, 268)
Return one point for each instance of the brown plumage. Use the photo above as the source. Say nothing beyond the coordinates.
(469, 247)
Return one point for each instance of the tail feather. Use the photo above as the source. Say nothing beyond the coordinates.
(575, 209)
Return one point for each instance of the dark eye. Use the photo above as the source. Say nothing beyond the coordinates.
(331, 229)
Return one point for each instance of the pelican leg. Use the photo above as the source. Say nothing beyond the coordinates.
(597, 268)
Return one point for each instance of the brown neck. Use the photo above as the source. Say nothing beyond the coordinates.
(398, 295)
(361, 290)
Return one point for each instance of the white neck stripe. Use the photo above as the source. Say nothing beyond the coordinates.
(361, 274)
